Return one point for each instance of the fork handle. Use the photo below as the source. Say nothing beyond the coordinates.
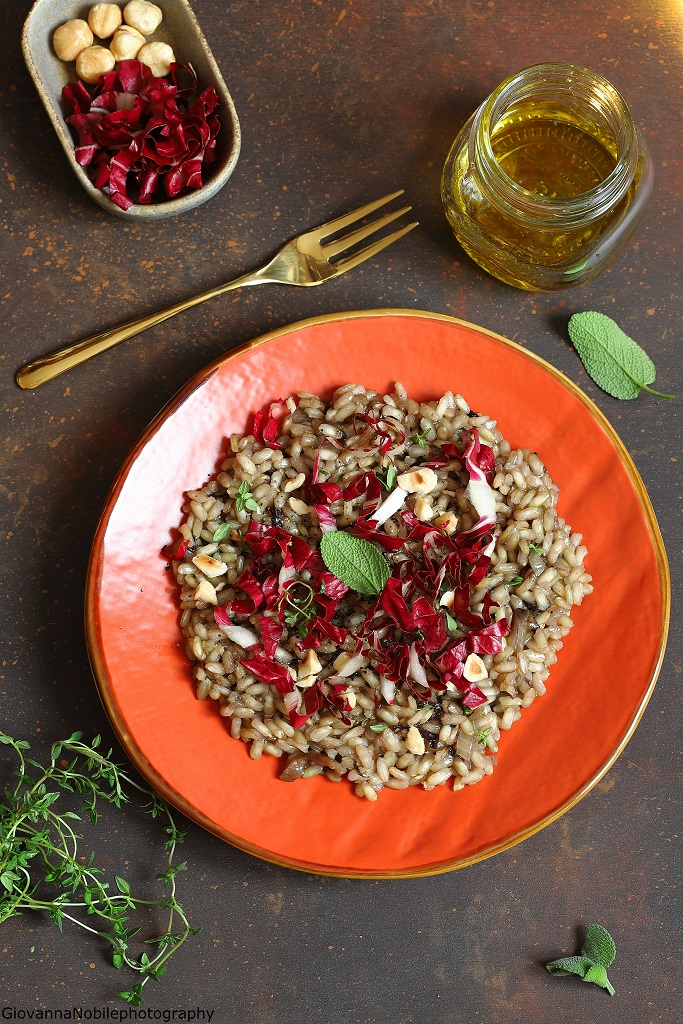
(50, 366)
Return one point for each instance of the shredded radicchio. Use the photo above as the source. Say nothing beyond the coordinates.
(139, 133)
(404, 636)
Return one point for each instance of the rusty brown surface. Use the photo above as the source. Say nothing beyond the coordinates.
(339, 102)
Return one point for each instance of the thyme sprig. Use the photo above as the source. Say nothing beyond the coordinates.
(42, 869)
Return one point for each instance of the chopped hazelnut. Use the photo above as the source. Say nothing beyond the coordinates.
(206, 592)
(211, 567)
(423, 510)
(93, 62)
(295, 483)
(143, 16)
(415, 741)
(448, 522)
(474, 669)
(310, 666)
(104, 19)
(72, 38)
(418, 481)
(298, 506)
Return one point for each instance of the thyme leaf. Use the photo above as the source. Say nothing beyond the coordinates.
(41, 865)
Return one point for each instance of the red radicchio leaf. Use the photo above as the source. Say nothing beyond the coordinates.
(367, 528)
(271, 634)
(394, 604)
(430, 623)
(181, 550)
(265, 426)
(488, 640)
(473, 697)
(450, 664)
(336, 699)
(242, 606)
(334, 588)
(271, 591)
(303, 556)
(250, 585)
(386, 437)
(322, 493)
(367, 484)
(313, 701)
(269, 672)
(221, 616)
(479, 456)
(335, 633)
(325, 518)
(135, 128)
(262, 539)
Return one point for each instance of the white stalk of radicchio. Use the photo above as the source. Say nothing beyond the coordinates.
(389, 506)
(416, 669)
(479, 462)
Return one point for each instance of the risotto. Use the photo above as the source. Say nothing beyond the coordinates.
(375, 588)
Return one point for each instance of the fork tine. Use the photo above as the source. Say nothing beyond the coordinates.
(341, 245)
(365, 254)
(349, 218)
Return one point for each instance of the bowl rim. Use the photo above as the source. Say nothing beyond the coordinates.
(138, 756)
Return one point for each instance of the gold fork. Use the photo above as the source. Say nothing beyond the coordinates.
(308, 259)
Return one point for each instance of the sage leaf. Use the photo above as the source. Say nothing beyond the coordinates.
(570, 965)
(599, 945)
(354, 561)
(597, 954)
(616, 362)
(598, 975)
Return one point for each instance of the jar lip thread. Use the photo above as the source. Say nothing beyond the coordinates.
(579, 85)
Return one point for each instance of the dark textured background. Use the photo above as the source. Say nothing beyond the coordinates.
(339, 103)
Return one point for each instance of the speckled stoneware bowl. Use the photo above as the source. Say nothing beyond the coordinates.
(181, 30)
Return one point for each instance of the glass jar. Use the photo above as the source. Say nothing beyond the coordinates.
(546, 182)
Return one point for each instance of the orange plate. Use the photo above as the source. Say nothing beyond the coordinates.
(563, 744)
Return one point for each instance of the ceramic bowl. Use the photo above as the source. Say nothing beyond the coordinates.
(563, 744)
(179, 28)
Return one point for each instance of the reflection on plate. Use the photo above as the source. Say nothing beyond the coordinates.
(551, 758)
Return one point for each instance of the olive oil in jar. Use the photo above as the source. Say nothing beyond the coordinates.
(550, 156)
(546, 182)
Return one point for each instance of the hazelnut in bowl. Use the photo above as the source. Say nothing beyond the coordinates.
(82, 56)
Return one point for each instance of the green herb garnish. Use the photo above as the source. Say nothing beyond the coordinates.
(299, 607)
(245, 500)
(421, 437)
(378, 727)
(616, 362)
(451, 624)
(597, 954)
(482, 734)
(222, 531)
(354, 561)
(388, 477)
(41, 866)
(516, 580)
(537, 547)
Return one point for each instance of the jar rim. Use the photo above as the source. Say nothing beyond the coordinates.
(560, 76)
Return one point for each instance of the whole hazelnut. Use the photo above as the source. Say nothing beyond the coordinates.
(70, 38)
(143, 16)
(94, 62)
(104, 19)
(127, 43)
(158, 57)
